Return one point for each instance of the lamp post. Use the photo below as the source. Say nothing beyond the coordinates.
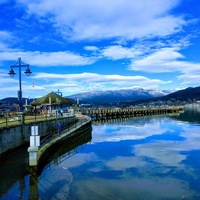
(28, 72)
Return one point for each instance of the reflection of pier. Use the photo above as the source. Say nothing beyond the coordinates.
(69, 148)
(68, 139)
(108, 113)
(193, 106)
(121, 119)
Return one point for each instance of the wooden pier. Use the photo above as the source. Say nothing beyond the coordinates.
(113, 113)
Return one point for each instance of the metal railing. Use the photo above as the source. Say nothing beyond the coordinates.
(10, 118)
(78, 123)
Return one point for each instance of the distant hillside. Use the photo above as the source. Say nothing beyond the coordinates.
(14, 100)
(188, 94)
(115, 96)
(10, 100)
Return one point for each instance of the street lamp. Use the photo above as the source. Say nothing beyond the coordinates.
(28, 72)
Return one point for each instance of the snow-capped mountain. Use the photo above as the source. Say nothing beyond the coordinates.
(115, 96)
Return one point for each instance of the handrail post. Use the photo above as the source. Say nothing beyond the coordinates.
(21, 114)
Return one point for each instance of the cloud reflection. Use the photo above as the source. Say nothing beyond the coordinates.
(122, 131)
(123, 163)
(170, 153)
(78, 160)
(133, 188)
(128, 160)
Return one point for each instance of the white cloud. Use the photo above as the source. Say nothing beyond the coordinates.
(159, 61)
(59, 59)
(48, 58)
(103, 19)
(119, 52)
(93, 78)
(7, 39)
(188, 79)
(91, 48)
(5, 35)
(164, 60)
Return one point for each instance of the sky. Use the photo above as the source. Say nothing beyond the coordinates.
(76, 46)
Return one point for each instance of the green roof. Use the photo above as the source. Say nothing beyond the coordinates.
(51, 99)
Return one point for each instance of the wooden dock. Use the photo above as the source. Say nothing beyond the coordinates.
(113, 113)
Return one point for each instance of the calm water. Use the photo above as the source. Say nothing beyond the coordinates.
(143, 159)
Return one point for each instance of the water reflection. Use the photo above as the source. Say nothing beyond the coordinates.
(132, 160)
(144, 162)
(13, 170)
(147, 158)
(56, 177)
(17, 183)
(66, 149)
(191, 113)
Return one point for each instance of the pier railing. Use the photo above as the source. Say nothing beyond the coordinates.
(78, 123)
(16, 118)
(9, 119)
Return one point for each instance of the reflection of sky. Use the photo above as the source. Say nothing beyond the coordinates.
(123, 131)
(144, 159)
(170, 152)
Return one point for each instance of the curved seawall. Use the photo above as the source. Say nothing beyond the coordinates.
(68, 137)
(14, 136)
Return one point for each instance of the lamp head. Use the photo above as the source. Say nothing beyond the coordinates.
(11, 73)
(28, 71)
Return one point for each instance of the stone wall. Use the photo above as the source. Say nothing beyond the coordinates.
(12, 137)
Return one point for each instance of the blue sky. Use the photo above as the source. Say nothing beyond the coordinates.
(85, 45)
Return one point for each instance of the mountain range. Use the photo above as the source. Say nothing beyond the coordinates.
(139, 95)
(129, 96)
(115, 96)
